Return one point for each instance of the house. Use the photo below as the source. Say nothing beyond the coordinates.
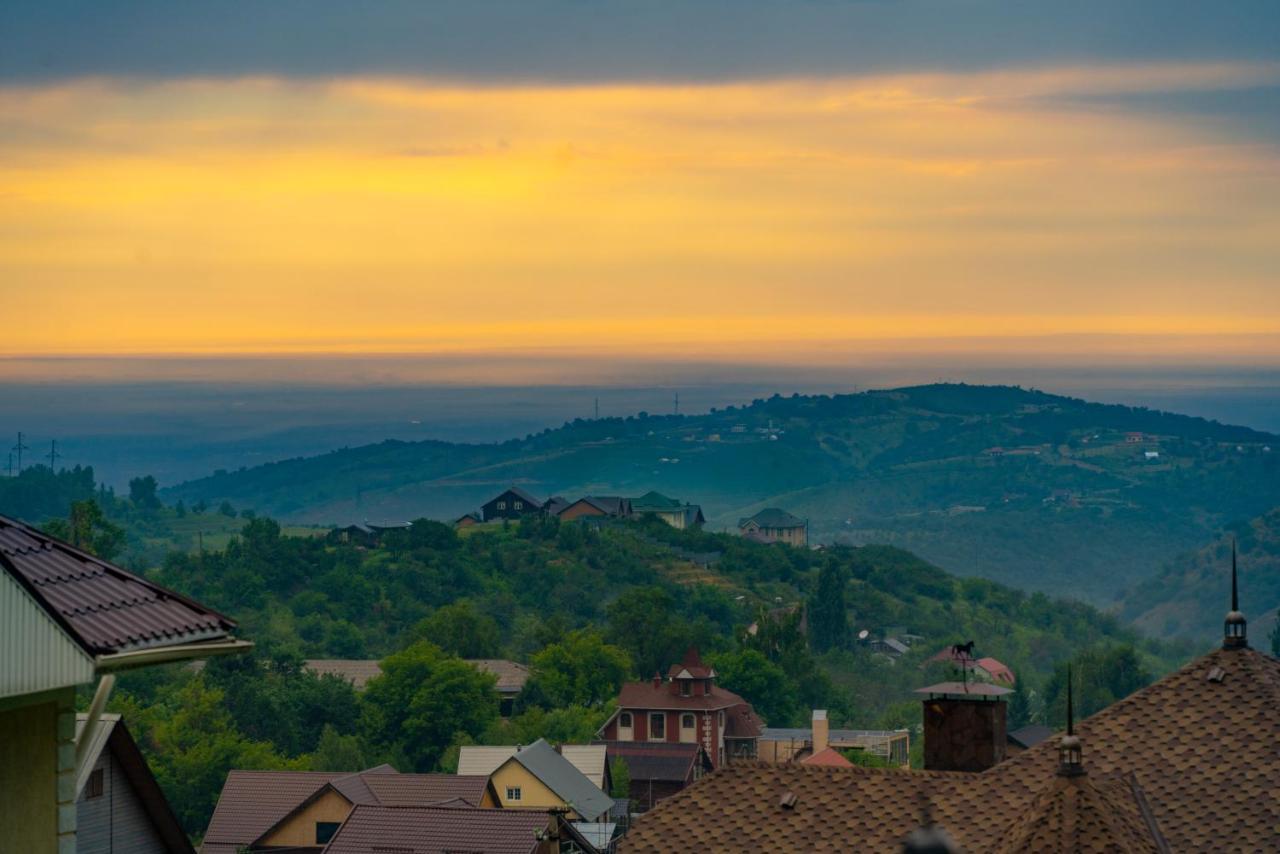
(669, 510)
(538, 777)
(892, 647)
(302, 810)
(513, 503)
(119, 805)
(1134, 438)
(796, 744)
(597, 506)
(986, 668)
(467, 520)
(553, 505)
(511, 675)
(590, 759)
(1190, 763)
(355, 534)
(772, 525)
(688, 707)
(448, 829)
(994, 670)
(68, 618)
(659, 769)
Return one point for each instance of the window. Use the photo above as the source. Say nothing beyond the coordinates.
(502, 505)
(686, 688)
(624, 720)
(688, 728)
(93, 788)
(513, 793)
(519, 505)
(657, 726)
(325, 831)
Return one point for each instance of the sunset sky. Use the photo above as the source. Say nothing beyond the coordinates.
(635, 177)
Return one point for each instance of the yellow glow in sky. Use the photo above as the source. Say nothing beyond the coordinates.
(408, 215)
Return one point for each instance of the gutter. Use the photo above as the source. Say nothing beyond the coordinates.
(162, 655)
(90, 730)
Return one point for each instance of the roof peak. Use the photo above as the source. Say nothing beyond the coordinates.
(1235, 628)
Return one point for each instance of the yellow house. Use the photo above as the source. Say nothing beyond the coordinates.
(68, 619)
(537, 777)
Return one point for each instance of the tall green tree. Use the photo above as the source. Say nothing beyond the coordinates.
(760, 681)
(1102, 676)
(142, 493)
(87, 528)
(828, 616)
(461, 629)
(425, 699)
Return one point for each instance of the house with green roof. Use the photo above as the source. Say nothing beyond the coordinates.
(772, 525)
(669, 510)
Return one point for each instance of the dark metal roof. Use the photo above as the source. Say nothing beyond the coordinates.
(658, 760)
(439, 829)
(518, 493)
(104, 608)
(1030, 735)
(965, 689)
(772, 517)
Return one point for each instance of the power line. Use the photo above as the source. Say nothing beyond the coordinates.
(19, 448)
(53, 454)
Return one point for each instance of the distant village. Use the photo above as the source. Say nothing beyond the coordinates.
(1174, 767)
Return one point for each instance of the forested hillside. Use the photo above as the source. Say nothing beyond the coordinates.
(1189, 594)
(1036, 490)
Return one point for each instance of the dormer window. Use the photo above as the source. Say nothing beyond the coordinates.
(686, 688)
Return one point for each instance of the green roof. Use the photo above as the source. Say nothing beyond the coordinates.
(772, 517)
(652, 501)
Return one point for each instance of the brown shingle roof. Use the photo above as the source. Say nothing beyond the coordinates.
(104, 608)
(426, 830)
(511, 675)
(643, 695)
(252, 802)
(1198, 757)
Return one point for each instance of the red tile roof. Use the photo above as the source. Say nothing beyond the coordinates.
(104, 608)
(252, 802)
(829, 757)
(428, 830)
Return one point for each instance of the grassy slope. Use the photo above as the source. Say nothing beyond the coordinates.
(908, 467)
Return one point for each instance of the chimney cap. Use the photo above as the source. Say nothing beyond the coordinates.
(819, 714)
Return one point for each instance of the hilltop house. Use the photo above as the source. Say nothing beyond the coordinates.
(512, 503)
(772, 525)
(67, 619)
(511, 675)
(669, 510)
(597, 506)
(119, 805)
(539, 777)
(302, 810)
(688, 707)
(1190, 763)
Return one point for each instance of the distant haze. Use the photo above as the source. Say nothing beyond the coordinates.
(184, 418)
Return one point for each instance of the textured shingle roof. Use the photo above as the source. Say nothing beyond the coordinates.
(428, 830)
(104, 608)
(1195, 759)
(643, 695)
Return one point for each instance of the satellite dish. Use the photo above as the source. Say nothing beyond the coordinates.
(862, 635)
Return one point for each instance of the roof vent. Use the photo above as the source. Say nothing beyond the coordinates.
(788, 800)
(1216, 674)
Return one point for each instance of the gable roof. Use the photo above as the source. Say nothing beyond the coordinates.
(1199, 754)
(511, 675)
(427, 830)
(558, 774)
(772, 517)
(254, 802)
(644, 695)
(111, 734)
(691, 667)
(518, 493)
(591, 759)
(659, 760)
(107, 610)
(1029, 735)
(829, 757)
(652, 501)
(997, 670)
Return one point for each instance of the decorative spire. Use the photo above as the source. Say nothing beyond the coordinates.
(1070, 750)
(1234, 634)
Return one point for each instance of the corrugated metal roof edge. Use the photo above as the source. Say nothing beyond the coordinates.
(107, 566)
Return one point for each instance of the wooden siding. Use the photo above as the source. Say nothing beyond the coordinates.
(36, 654)
(116, 822)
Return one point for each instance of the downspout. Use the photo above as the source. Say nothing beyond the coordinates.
(94, 719)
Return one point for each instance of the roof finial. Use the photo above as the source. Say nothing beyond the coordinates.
(1234, 634)
(1070, 750)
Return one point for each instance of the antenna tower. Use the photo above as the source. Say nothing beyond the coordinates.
(19, 448)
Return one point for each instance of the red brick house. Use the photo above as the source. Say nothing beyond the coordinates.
(686, 707)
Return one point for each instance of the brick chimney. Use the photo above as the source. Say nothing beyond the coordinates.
(821, 731)
(657, 679)
(963, 733)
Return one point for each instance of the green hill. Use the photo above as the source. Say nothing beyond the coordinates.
(1185, 598)
(1032, 489)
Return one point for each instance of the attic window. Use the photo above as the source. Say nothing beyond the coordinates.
(325, 831)
(686, 688)
(513, 793)
(93, 788)
(1216, 674)
(788, 800)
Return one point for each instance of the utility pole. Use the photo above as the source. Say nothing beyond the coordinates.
(53, 454)
(19, 448)
(677, 408)
(11, 464)
(597, 409)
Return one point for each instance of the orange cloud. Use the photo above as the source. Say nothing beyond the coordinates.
(391, 215)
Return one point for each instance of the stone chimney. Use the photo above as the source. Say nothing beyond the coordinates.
(963, 733)
(821, 731)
